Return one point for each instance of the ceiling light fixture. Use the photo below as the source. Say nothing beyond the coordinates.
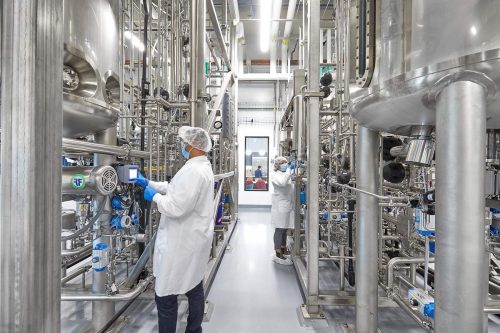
(265, 24)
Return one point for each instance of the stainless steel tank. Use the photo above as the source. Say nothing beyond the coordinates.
(91, 81)
(420, 42)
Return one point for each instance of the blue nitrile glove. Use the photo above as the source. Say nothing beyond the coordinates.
(149, 193)
(292, 165)
(140, 180)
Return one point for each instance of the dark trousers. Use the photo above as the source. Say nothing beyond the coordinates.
(167, 311)
(280, 238)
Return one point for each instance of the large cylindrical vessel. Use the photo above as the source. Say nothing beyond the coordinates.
(91, 65)
(419, 42)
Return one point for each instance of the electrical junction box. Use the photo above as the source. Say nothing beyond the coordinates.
(423, 301)
(127, 173)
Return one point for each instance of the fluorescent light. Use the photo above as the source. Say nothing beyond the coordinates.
(249, 152)
(265, 24)
(135, 40)
(473, 30)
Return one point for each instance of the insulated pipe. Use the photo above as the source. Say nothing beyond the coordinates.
(31, 121)
(286, 35)
(367, 232)
(313, 161)
(460, 229)
(273, 44)
(72, 145)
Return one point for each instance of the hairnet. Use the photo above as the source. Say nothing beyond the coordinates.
(196, 137)
(278, 160)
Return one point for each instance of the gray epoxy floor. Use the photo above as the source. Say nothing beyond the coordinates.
(250, 292)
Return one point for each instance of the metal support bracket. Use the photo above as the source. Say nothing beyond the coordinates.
(307, 315)
(309, 94)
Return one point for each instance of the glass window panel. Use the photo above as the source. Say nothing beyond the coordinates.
(256, 163)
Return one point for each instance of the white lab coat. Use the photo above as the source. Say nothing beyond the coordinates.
(184, 238)
(282, 209)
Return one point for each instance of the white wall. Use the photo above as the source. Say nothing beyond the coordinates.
(263, 125)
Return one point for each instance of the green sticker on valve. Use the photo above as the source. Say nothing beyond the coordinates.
(78, 182)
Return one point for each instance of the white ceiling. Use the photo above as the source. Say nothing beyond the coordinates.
(250, 9)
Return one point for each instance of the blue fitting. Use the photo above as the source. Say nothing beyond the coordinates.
(116, 221)
(303, 197)
(429, 310)
(116, 203)
(432, 247)
(494, 231)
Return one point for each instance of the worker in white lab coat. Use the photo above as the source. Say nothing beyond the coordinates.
(185, 232)
(282, 207)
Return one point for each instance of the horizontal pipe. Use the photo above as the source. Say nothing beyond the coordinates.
(424, 324)
(264, 77)
(223, 176)
(80, 250)
(141, 286)
(90, 147)
(492, 309)
(174, 105)
(79, 271)
(380, 197)
(398, 261)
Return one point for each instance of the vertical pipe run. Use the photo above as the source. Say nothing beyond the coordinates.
(367, 232)
(197, 62)
(313, 160)
(30, 177)
(193, 89)
(460, 202)
(236, 65)
(201, 117)
(103, 311)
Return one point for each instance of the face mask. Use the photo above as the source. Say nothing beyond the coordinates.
(184, 152)
(283, 167)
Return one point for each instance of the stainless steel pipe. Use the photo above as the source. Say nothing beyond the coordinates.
(313, 161)
(103, 312)
(398, 261)
(460, 212)
(367, 231)
(126, 296)
(71, 145)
